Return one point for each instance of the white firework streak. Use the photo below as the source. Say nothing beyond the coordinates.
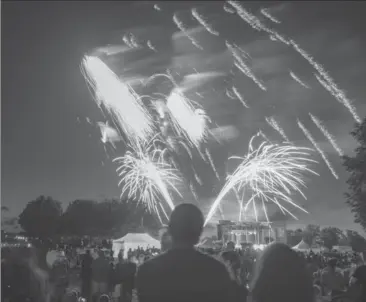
(208, 154)
(228, 9)
(119, 100)
(157, 7)
(242, 66)
(184, 30)
(328, 82)
(261, 134)
(134, 41)
(273, 123)
(221, 212)
(203, 22)
(254, 22)
(266, 13)
(184, 118)
(164, 212)
(271, 173)
(326, 133)
(297, 79)
(197, 178)
(316, 146)
(229, 94)
(149, 44)
(239, 96)
(145, 174)
(193, 191)
(127, 41)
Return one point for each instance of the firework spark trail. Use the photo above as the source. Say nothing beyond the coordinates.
(210, 160)
(242, 66)
(134, 41)
(184, 118)
(203, 22)
(316, 146)
(193, 191)
(221, 212)
(198, 179)
(229, 94)
(297, 79)
(328, 82)
(158, 214)
(254, 22)
(326, 133)
(164, 212)
(262, 134)
(266, 13)
(239, 97)
(109, 134)
(273, 123)
(271, 172)
(184, 30)
(228, 9)
(149, 44)
(119, 100)
(146, 175)
(127, 41)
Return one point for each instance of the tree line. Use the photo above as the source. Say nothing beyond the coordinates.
(327, 237)
(44, 218)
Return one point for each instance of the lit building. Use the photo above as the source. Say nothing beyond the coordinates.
(259, 233)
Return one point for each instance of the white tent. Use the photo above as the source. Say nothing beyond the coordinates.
(133, 241)
(302, 246)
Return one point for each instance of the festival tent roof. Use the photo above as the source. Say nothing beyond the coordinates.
(301, 246)
(133, 241)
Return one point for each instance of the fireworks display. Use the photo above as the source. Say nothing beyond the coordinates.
(119, 100)
(270, 173)
(146, 176)
(166, 127)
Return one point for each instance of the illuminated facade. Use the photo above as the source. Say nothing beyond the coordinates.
(259, 233)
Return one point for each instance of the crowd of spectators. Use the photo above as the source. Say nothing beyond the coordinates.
(182, 272)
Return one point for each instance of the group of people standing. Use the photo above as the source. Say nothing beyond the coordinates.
(102, 276)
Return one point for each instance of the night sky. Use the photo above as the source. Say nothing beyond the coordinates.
(48, 148)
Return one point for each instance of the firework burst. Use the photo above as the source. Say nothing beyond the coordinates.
(119, 100)
(270, 173)
(146, 176)
(187, 121)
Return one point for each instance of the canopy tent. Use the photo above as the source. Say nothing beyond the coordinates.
(133, 241)
(302, 246)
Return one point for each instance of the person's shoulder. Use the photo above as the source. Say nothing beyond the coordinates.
(214, 263)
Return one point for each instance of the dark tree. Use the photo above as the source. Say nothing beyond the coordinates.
(356, 241)
(330, 237)
(81, 218)
(311, 234)
(41, 217)
(294, 237)
(356, 166)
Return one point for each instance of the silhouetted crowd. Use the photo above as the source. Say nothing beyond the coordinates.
(182, 273)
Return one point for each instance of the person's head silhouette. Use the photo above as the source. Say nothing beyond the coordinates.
(186, 225)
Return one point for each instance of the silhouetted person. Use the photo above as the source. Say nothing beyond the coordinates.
(166, 241)
(86, 275)
(280, 275)
(183, 273)
(332, 278)
(128, 279)
(100, 274)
